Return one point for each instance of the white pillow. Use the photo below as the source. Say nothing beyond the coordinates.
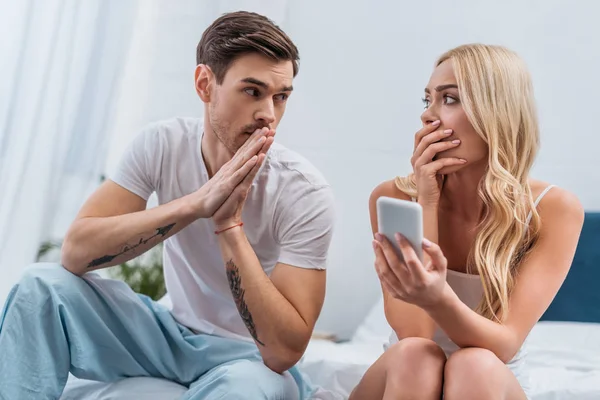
(374, 327)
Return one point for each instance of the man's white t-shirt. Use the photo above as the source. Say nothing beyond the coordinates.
(288, 218)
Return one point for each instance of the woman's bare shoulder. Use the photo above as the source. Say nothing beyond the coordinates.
(556, 200)
(537, 187)
(388, 189)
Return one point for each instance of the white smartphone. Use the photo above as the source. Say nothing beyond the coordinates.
(404, 217)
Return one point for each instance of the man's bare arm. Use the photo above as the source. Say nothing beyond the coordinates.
(113, 226)
(279, 312)
(109, 232)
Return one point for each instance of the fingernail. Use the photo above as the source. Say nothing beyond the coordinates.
(374, 243)
(398, 237)
(262, 139)
(456, 141)
(463, 160)
(448, 131)
(436, 123)
(426, 242)
(378, 237)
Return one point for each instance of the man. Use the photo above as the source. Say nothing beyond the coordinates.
(246, 226)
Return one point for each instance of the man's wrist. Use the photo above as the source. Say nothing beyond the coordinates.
(227, 225)
(191, 208)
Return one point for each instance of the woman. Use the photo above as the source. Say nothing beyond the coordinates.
(498, 243)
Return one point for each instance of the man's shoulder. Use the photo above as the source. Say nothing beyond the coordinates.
(175, 129)
(294, 168)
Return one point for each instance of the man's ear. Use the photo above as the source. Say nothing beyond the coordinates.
(203, 79)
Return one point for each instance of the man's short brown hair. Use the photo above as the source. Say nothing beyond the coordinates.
(241, 32)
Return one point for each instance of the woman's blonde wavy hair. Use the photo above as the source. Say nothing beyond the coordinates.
(497, 96)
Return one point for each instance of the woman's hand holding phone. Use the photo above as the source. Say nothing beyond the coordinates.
(408, 279)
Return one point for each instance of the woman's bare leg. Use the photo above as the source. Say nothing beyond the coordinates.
(410, 369)
(475, 373)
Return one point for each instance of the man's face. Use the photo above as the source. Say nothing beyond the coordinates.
(253, 95)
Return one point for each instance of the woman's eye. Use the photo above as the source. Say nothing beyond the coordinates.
(450, 100)
(425, 102)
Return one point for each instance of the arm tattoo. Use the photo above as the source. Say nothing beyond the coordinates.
(162, 232)
(235, 283)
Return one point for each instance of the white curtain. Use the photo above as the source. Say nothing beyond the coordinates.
(59, 74)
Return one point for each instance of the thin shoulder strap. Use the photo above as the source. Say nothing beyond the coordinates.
(537, 201)
(541, 196)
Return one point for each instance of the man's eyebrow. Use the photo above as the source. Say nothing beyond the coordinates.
(264, 85)
(256, 82)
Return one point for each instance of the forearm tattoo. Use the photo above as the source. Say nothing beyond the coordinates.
(235, 284)
(160, 232)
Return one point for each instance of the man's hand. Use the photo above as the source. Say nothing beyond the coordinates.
(207, 200)
(230, 212)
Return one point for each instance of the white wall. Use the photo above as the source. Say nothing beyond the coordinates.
(357, 104)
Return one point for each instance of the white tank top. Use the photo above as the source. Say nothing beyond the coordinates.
(469, 289)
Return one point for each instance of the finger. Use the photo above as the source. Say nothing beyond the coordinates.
(256, 144)
(249, 149)
(413, 264)
(433, 167)
(392, 291)
(424, 131)
(244, 186)
(433, 149)
(392, 258)
(267, 145)
(387, 277)
(240, 192)
(438, 260)
(239, 175)
(431, 138)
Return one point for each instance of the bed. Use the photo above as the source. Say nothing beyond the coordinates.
(564, 347)
(563, 359)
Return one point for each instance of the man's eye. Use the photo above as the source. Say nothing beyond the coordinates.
(252, 92)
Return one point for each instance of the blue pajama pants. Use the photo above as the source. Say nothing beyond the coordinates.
(55, 322)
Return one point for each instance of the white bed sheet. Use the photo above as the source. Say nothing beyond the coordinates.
(126, 389)
(564, 362)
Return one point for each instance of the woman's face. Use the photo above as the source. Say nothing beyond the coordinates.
(442, 102)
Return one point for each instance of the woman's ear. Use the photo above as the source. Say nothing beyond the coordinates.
(203, 81)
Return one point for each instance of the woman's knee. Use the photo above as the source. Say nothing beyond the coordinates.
(416, 351)
(469, 373)
(415, 362)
